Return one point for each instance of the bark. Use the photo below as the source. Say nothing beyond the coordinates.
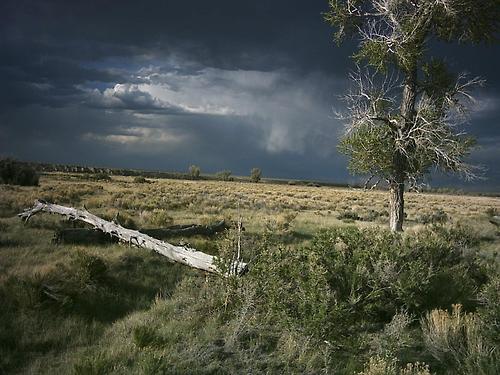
(400, 165)
(396, 206)
(90, 236)
(179, 254)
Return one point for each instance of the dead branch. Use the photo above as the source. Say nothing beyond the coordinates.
(178, 254)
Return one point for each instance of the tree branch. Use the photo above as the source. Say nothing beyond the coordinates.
(179, 254)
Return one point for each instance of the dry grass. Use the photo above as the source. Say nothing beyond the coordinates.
(302, 210)
(295, 212)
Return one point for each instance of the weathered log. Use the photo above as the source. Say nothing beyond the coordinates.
(91, 236)
(179, 254)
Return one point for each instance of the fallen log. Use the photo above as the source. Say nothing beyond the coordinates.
(91, 236)
(179, 254)
(186, 230)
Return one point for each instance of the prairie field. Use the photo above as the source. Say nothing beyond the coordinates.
(329, 290)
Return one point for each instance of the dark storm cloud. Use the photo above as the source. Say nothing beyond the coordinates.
(226, 34)
(162, 84)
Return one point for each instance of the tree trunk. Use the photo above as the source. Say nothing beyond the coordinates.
(179, 254)
(396, 206)
(400, 164)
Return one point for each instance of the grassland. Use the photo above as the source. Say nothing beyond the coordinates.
(116, 309)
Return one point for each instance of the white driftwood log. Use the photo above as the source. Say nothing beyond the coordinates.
(178, 254)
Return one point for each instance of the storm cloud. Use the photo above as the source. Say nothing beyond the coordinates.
(163, 84)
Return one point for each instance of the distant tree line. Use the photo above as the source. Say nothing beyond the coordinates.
(13, 172)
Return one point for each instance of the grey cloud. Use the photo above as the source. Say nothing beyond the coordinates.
(128, 96)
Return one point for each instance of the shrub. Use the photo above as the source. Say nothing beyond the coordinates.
(489, 298)
(140, 180)
(13, 172)
(348, 215)
(492, 211)
(371, 215)
(88, 269)
(224, 175)
(436, 217)
(456, 343)
(395, 338)
(101, 177)
(160, 218)
(348, 277)
(255, 174)
(282, 223)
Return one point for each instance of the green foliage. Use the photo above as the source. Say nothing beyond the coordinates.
(17, 173)
(370, 150)
(255, 174)
(490, 309)
(194, 171)
(374, 53)
(349, 276)
(400, 142)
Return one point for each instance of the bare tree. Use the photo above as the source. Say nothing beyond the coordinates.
(406, 109)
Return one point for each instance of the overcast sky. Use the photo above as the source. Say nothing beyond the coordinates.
(223, 84)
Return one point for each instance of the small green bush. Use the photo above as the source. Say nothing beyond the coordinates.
(348, 276)
(489, 298)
